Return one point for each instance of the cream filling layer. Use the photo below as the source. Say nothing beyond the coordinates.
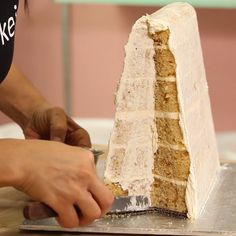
(170, 180)
(173, 181)
(167, 115)
(172, 146)
(132, 115)
(141, 114)
(167, 79)
(159, 78)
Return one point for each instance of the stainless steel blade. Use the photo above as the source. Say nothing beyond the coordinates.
(126, 204)
(96, 154)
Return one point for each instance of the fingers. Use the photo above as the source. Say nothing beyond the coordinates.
(54, 124)
(102, 195)
(58, 125)
(93, 203)
(77, 135)
(68, 217)
(89, 208)
(88, 211)
(64, 129)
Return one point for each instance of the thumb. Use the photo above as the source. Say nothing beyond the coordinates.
(58, 125)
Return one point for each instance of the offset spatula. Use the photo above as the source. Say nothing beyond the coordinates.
(127, 204)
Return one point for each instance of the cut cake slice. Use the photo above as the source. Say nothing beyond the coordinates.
(163, 142)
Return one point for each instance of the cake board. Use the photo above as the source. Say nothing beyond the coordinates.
(218, 217)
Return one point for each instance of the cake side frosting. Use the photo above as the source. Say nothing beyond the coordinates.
(132, 142)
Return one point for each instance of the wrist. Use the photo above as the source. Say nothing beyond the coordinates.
(11, 163)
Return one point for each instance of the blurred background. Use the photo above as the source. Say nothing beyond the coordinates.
(83, 44)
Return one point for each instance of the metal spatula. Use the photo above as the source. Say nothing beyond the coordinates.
(126, 204)
(96, 154)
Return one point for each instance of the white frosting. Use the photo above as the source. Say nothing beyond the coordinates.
(135, 134)
(135, 103)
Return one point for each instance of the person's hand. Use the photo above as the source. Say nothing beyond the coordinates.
(50, 172)
(33, 113)
(54, 173)
(52, 123)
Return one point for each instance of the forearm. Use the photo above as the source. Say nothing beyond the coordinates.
(18, 97)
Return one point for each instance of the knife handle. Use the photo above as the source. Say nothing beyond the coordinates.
(38, 211)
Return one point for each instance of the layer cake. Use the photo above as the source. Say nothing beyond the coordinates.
(163, 141)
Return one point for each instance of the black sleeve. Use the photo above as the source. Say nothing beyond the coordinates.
(8, 14)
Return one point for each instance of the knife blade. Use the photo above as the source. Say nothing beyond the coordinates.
(121, 205)
(96, 154)
(126, 204)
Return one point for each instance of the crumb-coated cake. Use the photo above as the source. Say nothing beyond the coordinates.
(163, 142)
